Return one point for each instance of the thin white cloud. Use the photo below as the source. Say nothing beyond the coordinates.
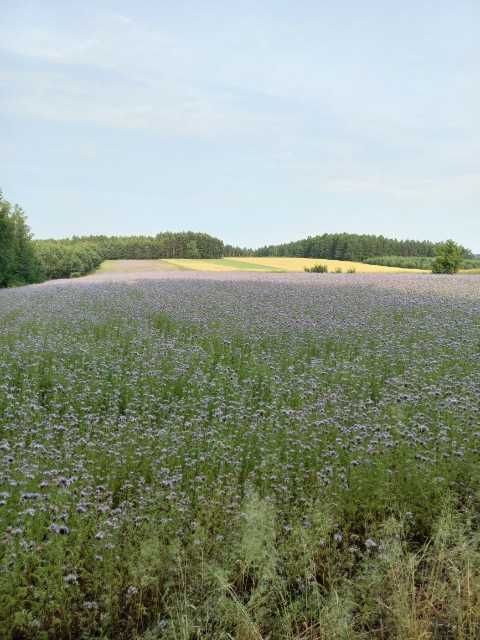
(443, 188)
(327, 116)
(159, 106)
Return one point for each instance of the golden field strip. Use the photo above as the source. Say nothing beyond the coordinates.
(299, 264)
(268, 264)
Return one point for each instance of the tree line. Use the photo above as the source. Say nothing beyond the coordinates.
(81, 254)
(168, 244)
(24, 260)
(355, 247)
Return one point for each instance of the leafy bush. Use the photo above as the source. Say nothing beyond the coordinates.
(351, 270)
(418, 262)
(317, 268)
(449, 258)
(63, 259)
(410, 262)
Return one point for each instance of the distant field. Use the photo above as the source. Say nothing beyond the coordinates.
(222, 264)
(280, 265)
(121, 266)
(299, 264)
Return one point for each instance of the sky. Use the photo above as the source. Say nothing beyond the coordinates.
(257, 122)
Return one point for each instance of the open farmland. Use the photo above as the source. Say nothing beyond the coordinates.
(135, 266)
(299, 264)
(272, 264)
(240, 455)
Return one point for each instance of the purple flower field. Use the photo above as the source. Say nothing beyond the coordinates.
(236, 455)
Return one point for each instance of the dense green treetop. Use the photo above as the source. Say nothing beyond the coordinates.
(348, 246)
(19, 263)
(449, 258)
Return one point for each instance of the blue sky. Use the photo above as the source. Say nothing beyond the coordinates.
(254, 121)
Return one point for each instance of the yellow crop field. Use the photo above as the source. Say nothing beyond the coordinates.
(221, 264)
(269, 264)
(200, 265)
(280, 265)
(299, 264)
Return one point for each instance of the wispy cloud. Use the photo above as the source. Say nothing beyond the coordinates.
(406, 188)
(127, 77)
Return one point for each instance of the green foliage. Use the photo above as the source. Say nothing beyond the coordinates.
(229, 251)
(449, 258)
(470, 264)
(65, 260)
(317, 268)
(80, 255)
(418, 262)
(405, 262)
(19, 263)
(348, 246)
(185, 244)
(24, 261)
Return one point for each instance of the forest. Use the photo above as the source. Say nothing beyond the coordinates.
(350, 246)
